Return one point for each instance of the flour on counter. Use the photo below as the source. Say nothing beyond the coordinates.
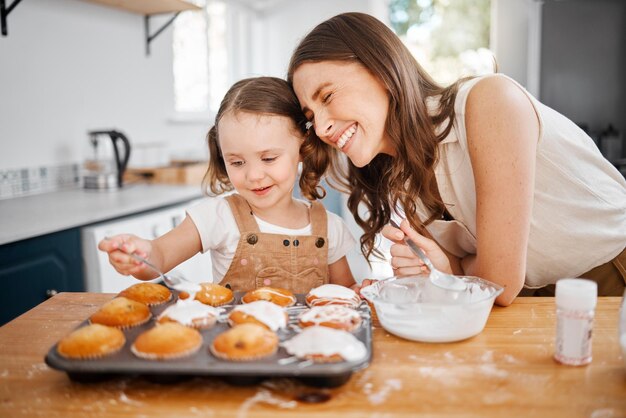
(444, 375)
(487, 357)
(36, 369)
(125, 399)
(605, 413)
(264, 396)
(380, 396)
(492, 370)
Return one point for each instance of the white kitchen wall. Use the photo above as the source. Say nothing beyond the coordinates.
(69, 66)
(282, 25)
(510, 26)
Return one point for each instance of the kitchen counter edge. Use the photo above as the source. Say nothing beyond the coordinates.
(32, 216)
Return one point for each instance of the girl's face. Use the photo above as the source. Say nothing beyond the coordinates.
(348, 107)
(261, 153)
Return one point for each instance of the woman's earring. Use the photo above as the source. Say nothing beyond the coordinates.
(308, 125)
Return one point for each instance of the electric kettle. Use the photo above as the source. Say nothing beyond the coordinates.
(106, 169)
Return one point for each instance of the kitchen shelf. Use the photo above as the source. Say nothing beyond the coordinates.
(4, 13)
(148, 9)
(152, 7)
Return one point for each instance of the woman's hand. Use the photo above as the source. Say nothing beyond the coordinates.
(119, 247)
(404, 261)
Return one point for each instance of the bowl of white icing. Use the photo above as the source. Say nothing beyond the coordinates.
(414, 308)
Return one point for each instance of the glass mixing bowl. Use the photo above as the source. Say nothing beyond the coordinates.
(412, 307)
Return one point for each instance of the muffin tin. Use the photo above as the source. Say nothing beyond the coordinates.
(203, 363)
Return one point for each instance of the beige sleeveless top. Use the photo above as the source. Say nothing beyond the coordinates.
(578, 217)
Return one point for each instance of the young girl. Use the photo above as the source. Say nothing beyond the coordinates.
(261, 235)
(509, 189)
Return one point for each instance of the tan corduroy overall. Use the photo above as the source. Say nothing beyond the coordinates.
(298, 263)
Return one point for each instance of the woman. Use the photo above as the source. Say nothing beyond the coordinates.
(491, 182)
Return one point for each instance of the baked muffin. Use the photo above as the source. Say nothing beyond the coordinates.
(332, 316)
(325, 345)
(190, 313)
(259, 312)
(121, 313)
(245, 342)
(333, 294)
(281, 297)
(91, 341)
(214, 294)
(149, 293)
(167, 341)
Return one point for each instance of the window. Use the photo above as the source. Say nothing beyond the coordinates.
(200, 58)
(449, 38)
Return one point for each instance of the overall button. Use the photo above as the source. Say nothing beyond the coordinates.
(319, 243)
(286, 243)
(296, 242)
(252, 239)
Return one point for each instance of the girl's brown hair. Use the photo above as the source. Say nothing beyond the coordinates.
(386, 182)
(264, 96)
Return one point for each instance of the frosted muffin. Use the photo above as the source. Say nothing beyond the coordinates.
(331, 316)
(167, 341)
(213, 294)
(245, 342)
(326, 345)
(260, 312)
(121, 313)
(276, 295)
(191, 313)
(151, 294)
(333, 294)
(91, 341)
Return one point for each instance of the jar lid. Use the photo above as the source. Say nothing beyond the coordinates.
(578, 294)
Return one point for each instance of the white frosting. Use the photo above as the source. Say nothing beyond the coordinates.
(188, 287)
(269, 313)
(185, 311)
(327, 342)
(333, 291)
(329, 313)
(330, 292)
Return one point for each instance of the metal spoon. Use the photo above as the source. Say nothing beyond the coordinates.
(171, 281)
(438, 278)
(174, 282)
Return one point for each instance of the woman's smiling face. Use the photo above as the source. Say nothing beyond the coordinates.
(348, 107)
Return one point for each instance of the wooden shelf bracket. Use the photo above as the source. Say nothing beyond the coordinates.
(4, 12)
(150, 38)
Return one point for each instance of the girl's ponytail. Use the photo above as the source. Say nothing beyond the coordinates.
(216, 178)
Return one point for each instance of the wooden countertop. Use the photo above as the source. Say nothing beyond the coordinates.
(507, 370)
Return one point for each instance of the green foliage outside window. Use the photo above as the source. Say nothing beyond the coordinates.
(444, 30)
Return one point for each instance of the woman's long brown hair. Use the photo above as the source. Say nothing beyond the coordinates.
(265, 96)
(386, 182)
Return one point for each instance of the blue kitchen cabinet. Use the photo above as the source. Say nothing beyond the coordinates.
(35, 269)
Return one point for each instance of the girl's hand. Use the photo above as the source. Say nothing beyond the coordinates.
(358, 286)
(404, 261)
(119, 246)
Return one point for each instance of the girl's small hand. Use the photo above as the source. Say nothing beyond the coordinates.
(358, 286)
(119, 246)
(404, 261)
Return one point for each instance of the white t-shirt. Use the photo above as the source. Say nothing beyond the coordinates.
(219, 233)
